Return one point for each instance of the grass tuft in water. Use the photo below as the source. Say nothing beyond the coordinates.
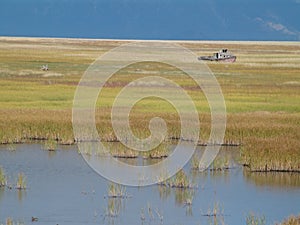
(9, 221)
(292, 220)
(195, 162)
(215, 214)
(117, 191)
(21, 181)
(180, 180)
(253, 219)
(220, 164)
(151, 214)
(113, 209)
(50, 145)
(3, 181)
(11, 147)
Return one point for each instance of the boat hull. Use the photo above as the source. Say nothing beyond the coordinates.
(226, 59)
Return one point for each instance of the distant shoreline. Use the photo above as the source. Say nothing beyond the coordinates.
(147, 40)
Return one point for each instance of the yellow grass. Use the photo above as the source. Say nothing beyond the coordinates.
(261, 90)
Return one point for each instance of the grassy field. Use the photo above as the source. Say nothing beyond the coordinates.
(261, 90)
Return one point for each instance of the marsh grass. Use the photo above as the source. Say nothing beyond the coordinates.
(163, 179)
(195, 162)
(113, 208)
(180, 180)
(253, 219)
(10, 221)
(162, 151)
(21, 182)
(292, 220)
(214, 211)
(50, 145)
(227, 158)
(261, 91)
(3, 181)
(151, 214)
(117, 191)
(120, 151)
(280, 154)
(220, 164)
(184, 197)
(115, 195)
(11, 147)
(215, 214)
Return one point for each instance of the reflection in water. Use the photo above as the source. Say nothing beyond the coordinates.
(51, 154)
(21, 195)
(188, 210)
(215, 214)
(2, 189)
(216, 220)
(116, 198)
(65, 173)
(184, 196)
(227, 158)
(223, 175)
(151, 215)
(122, 153)
(164, 191)
(273, 179)
(114, 207)
(201, 176)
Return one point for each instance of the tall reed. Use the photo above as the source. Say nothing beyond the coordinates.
(21, 181)
(3, 180)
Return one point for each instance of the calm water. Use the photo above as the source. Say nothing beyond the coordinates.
(63, 189)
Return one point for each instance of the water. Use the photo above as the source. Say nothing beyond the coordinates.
(63, 189)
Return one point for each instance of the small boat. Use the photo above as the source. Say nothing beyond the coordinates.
(222, 55)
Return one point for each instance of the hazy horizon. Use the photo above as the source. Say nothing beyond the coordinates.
(152, 20)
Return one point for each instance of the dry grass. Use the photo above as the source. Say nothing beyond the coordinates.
(261, 91)
(292, 220)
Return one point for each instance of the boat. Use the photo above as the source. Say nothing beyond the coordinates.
(222, 55)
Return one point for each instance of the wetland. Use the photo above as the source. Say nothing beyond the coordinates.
(254, 179)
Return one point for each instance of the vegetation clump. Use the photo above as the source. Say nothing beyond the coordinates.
(3, 181)
(123, 152)
(180, 180)
(9, 221)
(292, 220)
(21, 181)
(253, 219)
(50, 145)
(117, 191)
(215, 214)
(220, 164)
(113, 209)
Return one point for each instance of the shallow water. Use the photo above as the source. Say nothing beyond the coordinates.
(63, 189)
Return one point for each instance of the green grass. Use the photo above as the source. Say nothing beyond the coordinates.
(261, 90)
